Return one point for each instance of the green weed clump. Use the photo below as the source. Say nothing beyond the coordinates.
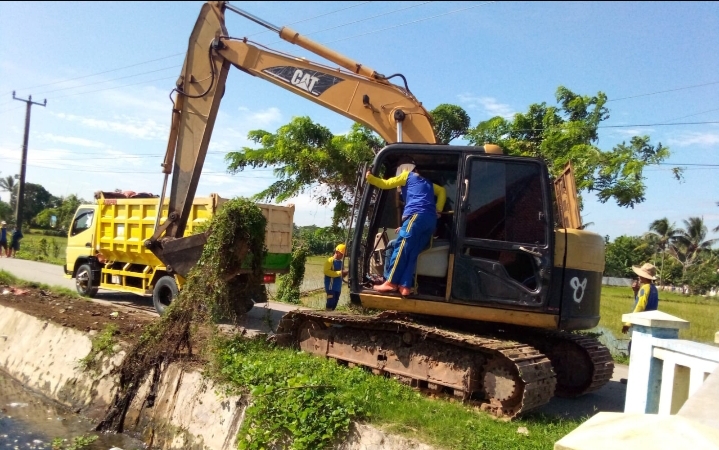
(300, 401)
(288, 288)
(77, 443)
(235, 239)
(102, 344)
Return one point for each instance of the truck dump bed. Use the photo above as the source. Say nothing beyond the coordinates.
(124, 224)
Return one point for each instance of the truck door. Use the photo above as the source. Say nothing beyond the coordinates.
(80, 237)
(503, 252)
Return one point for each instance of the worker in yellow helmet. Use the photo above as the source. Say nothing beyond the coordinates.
(333, 277)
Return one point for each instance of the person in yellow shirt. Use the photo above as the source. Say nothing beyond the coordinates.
(646, 296)
(333, 277)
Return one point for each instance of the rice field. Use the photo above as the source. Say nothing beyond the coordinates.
(701, 312)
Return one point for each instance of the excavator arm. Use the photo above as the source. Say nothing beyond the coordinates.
(351, 89)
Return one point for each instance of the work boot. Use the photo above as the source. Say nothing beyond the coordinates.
(386, 287)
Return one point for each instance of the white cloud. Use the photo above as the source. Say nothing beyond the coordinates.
(82, 142)
(631, 132)
(263, 118)
(689, 139)
(489, 105)
(131, 126)
(151, 99)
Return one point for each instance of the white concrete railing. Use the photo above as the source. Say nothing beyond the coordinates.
(664, 371)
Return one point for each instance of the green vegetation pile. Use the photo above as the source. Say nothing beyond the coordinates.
(213, 290)
(288, 288)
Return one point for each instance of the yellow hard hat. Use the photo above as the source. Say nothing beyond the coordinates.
(341, 248)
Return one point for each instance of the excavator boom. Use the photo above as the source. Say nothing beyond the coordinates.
(353, 90)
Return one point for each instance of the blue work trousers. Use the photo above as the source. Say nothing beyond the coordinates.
(413, 237)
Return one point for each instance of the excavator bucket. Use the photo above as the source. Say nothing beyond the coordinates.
(181, 255)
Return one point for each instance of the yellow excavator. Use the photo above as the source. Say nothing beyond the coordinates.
(509, 274)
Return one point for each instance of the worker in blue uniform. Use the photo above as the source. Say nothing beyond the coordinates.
(419, 219)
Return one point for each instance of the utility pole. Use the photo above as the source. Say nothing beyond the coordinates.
(21, 187)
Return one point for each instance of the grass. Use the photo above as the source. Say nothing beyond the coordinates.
(37, 247)
(310, 399)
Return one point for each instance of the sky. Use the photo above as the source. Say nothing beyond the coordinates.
(106, 69)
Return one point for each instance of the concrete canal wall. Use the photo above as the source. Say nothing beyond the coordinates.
(187, 413)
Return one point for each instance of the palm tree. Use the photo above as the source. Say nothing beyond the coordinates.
(691, 241)
(662, 233)
(7, 184)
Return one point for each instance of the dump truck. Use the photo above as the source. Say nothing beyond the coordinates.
(510, 275)
(106, 245)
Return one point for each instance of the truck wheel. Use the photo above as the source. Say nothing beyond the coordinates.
(164, 293)
(84, 282)
(242, 305)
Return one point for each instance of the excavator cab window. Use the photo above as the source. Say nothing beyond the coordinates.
(503, 253)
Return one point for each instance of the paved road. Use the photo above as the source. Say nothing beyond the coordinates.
(609, 398)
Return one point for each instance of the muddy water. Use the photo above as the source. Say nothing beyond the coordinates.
(30, 421)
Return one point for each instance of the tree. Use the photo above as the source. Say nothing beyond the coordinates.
(308, 157)
(37, 198)
(702, 277)
(691, 242)
(664, 233)
(569, 133)
(6, 212)
(450, 122)
(622, 254)
(7, 184)
(63, 213)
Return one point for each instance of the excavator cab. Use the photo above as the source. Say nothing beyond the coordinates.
(493, 247)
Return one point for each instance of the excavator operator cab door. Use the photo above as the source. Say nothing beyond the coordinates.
(503, 252)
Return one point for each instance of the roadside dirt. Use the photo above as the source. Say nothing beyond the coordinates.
(74, 312)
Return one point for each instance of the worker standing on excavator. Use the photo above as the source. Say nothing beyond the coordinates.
(419, 219)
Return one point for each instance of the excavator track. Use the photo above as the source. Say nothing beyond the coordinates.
(503, 377)
(582, 364)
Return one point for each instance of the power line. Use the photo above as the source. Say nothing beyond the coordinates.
(110, 80)
(171, 56)
(664, 91)
(695, 114)
(360, 20)
(104, 72)
(410, 23)
(659, 124)
(315, 17)
(155, 172)
(688, 164)
(115, 87)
